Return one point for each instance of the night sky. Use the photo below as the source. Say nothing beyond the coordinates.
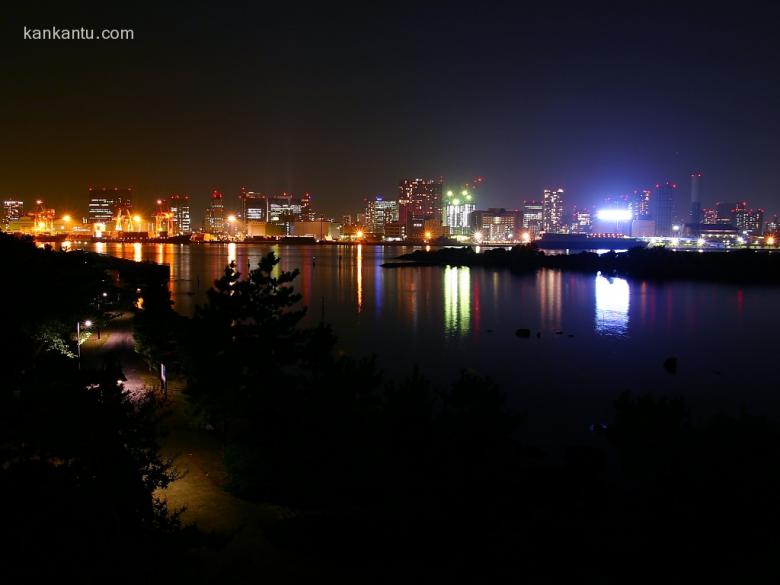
(343, 102)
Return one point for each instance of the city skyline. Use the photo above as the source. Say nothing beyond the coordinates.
(327, 108)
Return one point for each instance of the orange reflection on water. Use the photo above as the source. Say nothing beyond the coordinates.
(137, 256)
(360, 277)
(549, 284)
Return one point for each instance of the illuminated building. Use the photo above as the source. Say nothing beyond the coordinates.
(379, 212)
(640, 204)
(179, 207)
(307, 212)
(12, 211)
(552, 210)
(582, 222)
(105, 203)
(458, 208)
(496, 225)
(395, 230)
(346, 220)
(748, 221)
(709, 216)
(532, 217)
(662, 208)
(419, 200)
(254, 206)
(215, 214)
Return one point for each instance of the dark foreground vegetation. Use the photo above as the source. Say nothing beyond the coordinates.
(739, 266)
(79, 460)
(392, 480)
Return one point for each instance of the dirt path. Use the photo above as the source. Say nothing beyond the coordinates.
(198, 459)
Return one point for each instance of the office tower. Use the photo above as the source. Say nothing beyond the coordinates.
(640, 204)
(379, 212)
(346, 220)
(307, 211)
(283, 208)
(748, 222)
(695, 197)
(663, 207)
(709, 216)
(105, 203)
(419, 200)
(532, 212)
(582, 222)
(13, 210)
(215, 214)
(739, 214)
(552, 210)
(179, 207)
(254, 206)
(458, 208)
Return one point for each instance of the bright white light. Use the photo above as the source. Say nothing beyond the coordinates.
(700, 242)
(87, 323)
(614, 214)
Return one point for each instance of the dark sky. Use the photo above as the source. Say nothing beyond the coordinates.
(343, 101)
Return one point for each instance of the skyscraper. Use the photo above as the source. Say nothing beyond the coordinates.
(640, 204)
(663, 206)
(695, 197)
(532, 212)
(179, 206)
(379, 212)
(552, 210)
(215, 214)
(419, 200)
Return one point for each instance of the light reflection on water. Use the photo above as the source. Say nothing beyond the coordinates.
(457, 300)
(612, 304)
(450, 318)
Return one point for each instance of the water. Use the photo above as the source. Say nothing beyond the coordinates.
(599, 336)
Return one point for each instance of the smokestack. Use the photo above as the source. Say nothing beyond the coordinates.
(696, 197)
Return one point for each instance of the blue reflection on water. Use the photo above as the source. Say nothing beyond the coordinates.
(612, 300)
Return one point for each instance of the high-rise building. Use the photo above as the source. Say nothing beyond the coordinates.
(709, 216)
(583, 221)
(254, 206)
(695, 197)
(13, 210)
(105, 203)
(748, 221)
(419, 200)
(640, 204)
(552, 210)
(532, 212)
(663, 207)
(458, 208)
(215, 214)
(725, 211)
(179, 207)
(379, 212)
(307, 211)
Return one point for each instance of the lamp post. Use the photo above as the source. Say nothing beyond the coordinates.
(87, 323)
